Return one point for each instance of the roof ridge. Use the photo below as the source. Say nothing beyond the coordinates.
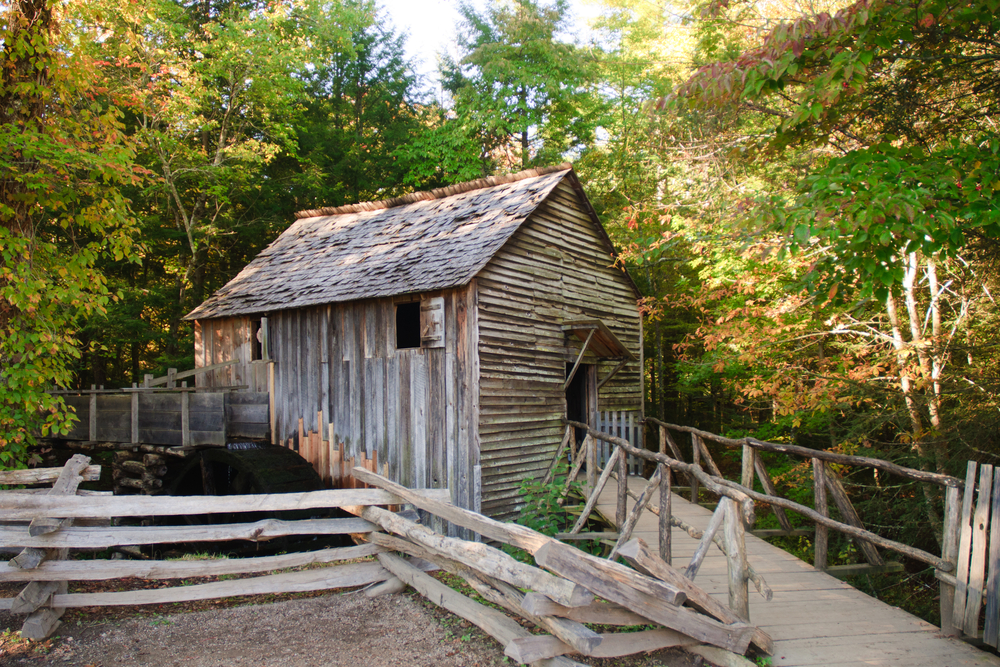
(438, 193)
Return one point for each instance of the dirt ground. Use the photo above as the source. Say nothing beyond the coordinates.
(340, 628)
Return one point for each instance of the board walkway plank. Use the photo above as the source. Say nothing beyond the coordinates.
(813, 618)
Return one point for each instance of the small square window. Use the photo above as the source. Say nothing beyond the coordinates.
(407, 325)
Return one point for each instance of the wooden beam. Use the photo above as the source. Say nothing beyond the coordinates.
(578, 637)
(613, 645)
(579, 358)
(706, 542)
(79, 537)
(508, 533)
(829, 457)
(34, 476)
(641, 594)
(850, 516)
(482, 558)
(596, 491)
(768, 486)
(736, 557)
(638, 554)
(340, 576)
(21, 506)
(493, 622)
(637, 509)
(97, 570)
(819, 499)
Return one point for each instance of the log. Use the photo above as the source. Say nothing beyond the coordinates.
(850, 516)
(596, 492)
(811, 514)
(18, 506)
(66, 485)
(102, 538)
(637, 553)
(706, 541)
(574, 634)
(559, 453)
(36, 594)
(390, 586)
(819, 499)
(494, 623)
(829, 457)
(483, 558)
(36, 476)
(768, 485)
(613, 645)
(508, 533)
(340, 576)
(97, 570)
(637, 508)
(587, 446)
(713, 484)
(598, 612)
(736, 554)
(643, 595)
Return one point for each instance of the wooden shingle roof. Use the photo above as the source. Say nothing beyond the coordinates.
(417, 243)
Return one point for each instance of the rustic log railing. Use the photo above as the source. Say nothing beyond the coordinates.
(827, 485)
(557, 596)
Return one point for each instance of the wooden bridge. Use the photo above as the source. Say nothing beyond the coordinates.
(813, 618)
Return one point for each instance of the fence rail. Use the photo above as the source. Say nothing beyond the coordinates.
(560, 593)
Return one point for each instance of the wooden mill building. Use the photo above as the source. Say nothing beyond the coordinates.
(437, 329)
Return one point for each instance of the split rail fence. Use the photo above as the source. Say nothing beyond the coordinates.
(557, 596)
(966, 583)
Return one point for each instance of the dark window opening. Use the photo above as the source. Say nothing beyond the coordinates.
(407, 325)
(256, 340)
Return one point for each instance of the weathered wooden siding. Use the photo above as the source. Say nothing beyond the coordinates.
(556, 268)
(414, 407)
(228, 339)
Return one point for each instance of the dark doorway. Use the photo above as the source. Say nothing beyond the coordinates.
(578, 396)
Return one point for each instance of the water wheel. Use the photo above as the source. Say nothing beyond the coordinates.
(243, 469)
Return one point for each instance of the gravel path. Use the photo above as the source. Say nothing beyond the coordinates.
(347, 629)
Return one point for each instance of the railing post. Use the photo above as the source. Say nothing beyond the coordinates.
(171, 378)
(622, 508)
(949, 552)
(822, 532)
(734, 537)
(696, 460)
(664, 513)
(746, 478)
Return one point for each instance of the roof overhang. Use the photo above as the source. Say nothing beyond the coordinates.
(602, 342)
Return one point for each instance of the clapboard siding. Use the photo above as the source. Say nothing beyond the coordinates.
(556, 268)
(411, 407)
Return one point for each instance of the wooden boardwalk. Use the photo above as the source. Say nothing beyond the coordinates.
(813, 618)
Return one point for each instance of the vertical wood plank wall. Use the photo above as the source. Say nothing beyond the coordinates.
(556, 268)
(412, 406)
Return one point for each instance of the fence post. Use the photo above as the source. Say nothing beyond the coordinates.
(92, 425)
(949, 552)
(734, 537)
(822, 532)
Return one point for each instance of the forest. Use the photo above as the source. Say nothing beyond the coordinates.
(806, 192)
